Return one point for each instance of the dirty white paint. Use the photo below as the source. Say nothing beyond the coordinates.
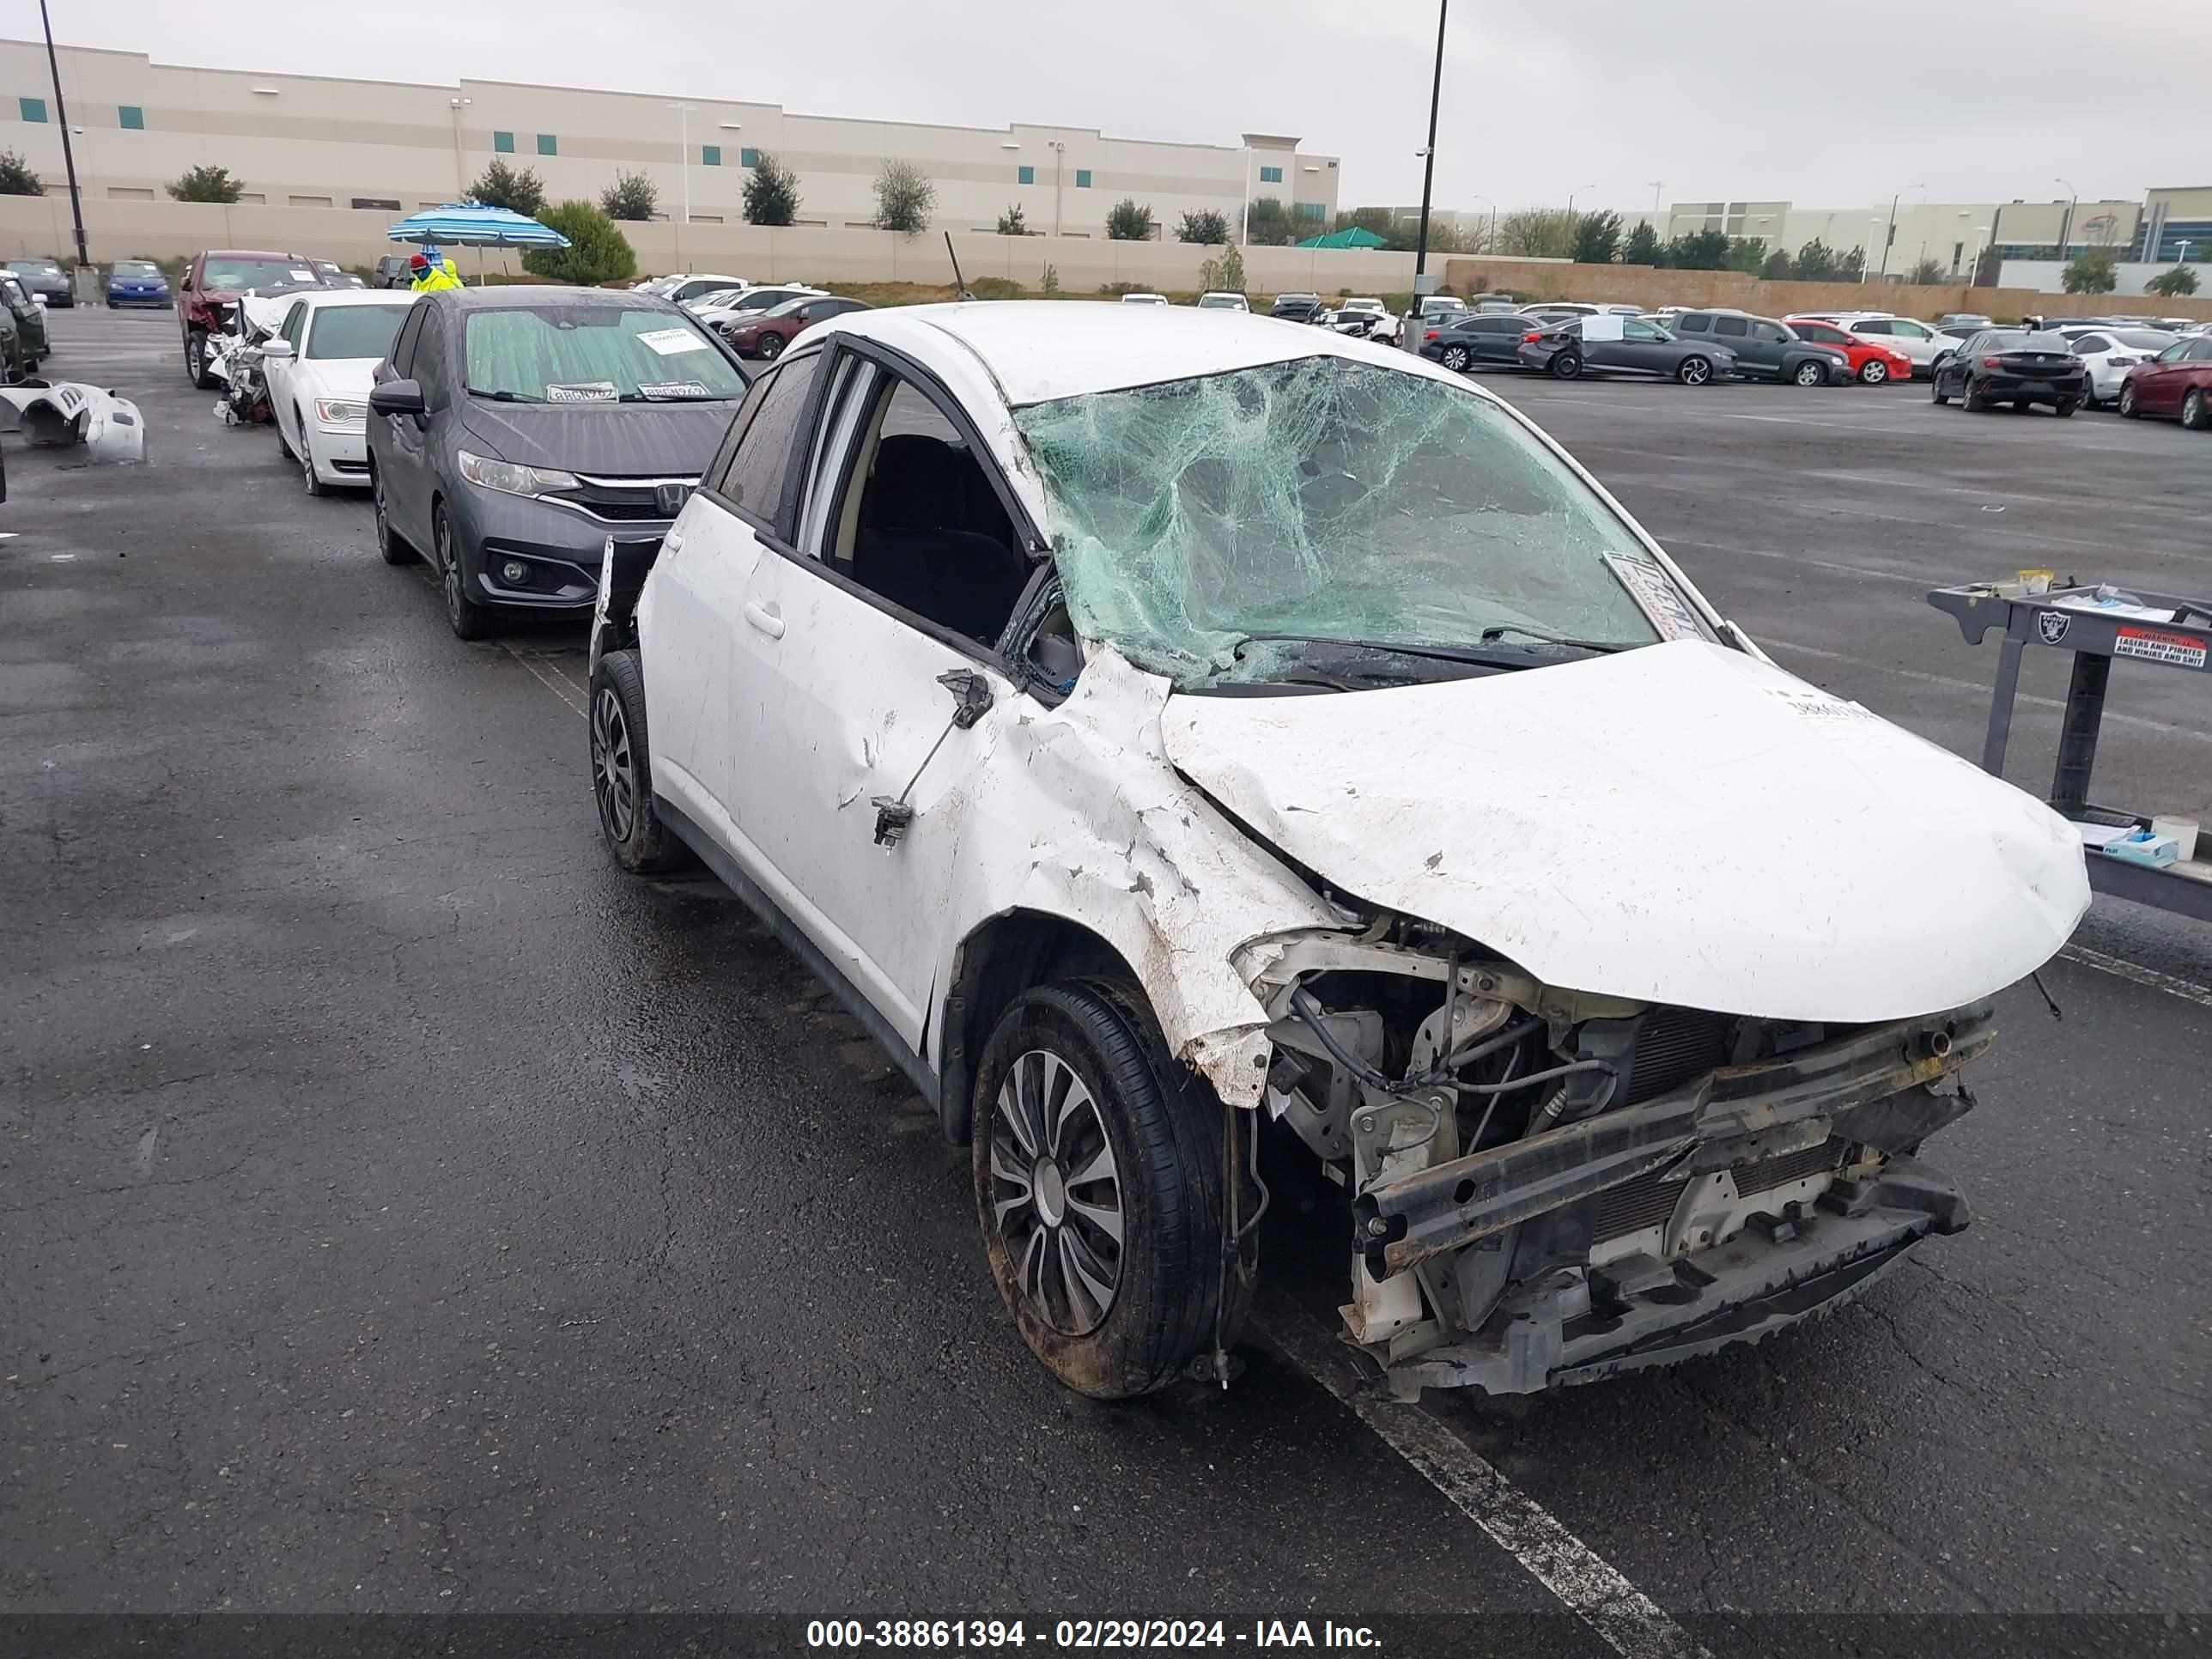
(1681, 824)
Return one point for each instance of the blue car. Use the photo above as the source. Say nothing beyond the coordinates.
(136, 283)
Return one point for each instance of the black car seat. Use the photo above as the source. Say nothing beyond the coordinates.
(911, 547)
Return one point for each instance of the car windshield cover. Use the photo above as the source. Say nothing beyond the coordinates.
(1324, 499)
(354, 330)
(594, 355)
(2019, 339)
(258, 273)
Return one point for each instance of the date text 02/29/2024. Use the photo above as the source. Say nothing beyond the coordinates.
(1124, 1634)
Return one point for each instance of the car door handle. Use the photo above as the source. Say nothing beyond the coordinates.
(766, 617)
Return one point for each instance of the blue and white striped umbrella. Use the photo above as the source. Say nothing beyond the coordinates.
(464, 226)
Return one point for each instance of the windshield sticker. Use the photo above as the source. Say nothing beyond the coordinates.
(1657, 597)
(592, 392)
(674, 389)
(303, 275)
(670, 341)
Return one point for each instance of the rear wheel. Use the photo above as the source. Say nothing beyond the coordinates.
(1873, 372)
(1694, 371)
(1974, 402)
(468, 619)
(621, 770)
(1566, 365)
(2196, 413)
(2064, 407)
(1098, 1166)
(1455, 358)
(1810, 374)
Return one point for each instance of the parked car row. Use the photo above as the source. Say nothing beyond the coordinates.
(1694, 347)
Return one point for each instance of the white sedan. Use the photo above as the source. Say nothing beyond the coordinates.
(2109, 352)
(318, 366)
(1158, 730)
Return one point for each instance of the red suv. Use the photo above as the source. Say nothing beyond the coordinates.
(2176, 382)
(1872, 361)
(213, 281)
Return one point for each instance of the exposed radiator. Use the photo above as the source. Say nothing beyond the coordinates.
(1648, 1202)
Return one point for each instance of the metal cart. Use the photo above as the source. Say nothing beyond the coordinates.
(2156, 629)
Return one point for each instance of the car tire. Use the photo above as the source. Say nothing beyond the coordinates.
(1077, 1074)
(621, 771)
(306, 458)
(1566, 365)
(196, 355)
(2064, 407)
(1937, 395)
(770, 348)
(1971, 399)
(469, 620)
(1809, 373)
(1455, 358)
(1873, 372)
(389, 542)
(283, 443)
(1694, 371)
(2128, 409)
(2196, 413)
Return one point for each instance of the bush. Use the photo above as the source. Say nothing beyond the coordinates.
(16, 179)
(1777, 266)
(1012, 223)
(597, 252)
(1206, 226)
(1700, 249)
(206, 184)
(1924, 274)
(631, 196)
(772, 193)
(518, 189)
(996, 287)
(1128, 222)
(904, 198)
(2094, 273)
(1642, 247)
(1537, 233)
(1597, 238)
(2174, 284)
(1747, 254)
(1813, 262)
(1049, 283)
(1224, 273)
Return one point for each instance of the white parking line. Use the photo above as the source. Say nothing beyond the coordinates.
(1590, 1587)
(558, 684)
(2120, 967)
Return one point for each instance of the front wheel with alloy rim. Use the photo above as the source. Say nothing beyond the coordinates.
(1809, 373)
(468, 619)
(770, 347)
(1098, 1166)
(196, 360)
(1873, 372)
(2128, 409)
(315, 486)
(621, 770)
(1694, 371)
(1455, 358)
(2196, 413)
(389, 542)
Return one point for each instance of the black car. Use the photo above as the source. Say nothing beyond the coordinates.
(1472, 339)
(30, 321)
(392, 272)
(1765, 348)
(2015, 366)
(1613, 344)
(46, 276)
(512, 430)
(1298, 307)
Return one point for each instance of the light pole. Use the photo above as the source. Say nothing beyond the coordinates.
(1429, 161)
(1657, 185)
(1872, 224)
(1974, 265)
(1244, 225)
(684, 162)
(1059, 167)
(2066, 224)
(1571, 194)
(460, 167)
(61, 119)
(1891, 237)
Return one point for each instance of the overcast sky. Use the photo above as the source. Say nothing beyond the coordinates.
(1975, 100)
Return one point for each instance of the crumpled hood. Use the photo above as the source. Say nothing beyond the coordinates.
(655, 441)
(1681, 824)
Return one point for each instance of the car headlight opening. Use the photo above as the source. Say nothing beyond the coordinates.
(512, 479)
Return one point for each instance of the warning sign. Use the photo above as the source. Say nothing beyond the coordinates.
(2175, 650)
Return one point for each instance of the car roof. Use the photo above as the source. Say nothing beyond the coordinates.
(1036, 351)
(522, 296)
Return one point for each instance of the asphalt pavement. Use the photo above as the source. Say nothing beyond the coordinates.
(402, 1210)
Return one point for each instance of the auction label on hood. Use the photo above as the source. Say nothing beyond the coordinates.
(588, 392)
(670, 341)
(1660, 602)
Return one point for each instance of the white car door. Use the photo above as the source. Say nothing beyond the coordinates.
(853, 784)
(278, 374)
(691, 616)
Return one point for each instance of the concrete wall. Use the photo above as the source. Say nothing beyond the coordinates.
(2048, 276)
(1642, 285)
(155, 230)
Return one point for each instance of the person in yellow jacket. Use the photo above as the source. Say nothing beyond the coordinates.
(429, 277)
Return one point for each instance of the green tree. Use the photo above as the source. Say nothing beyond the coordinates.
(1747, 254)
(597, 252)
(1777, 266)
(1128, 222)
(2092, 272)
(519, 189)
(16, 179)
(2175, 284)
(1207, 226)
(771, 193)
(1268, 224)
(631, 196)
(1597, 238)
(905, 198)
(206, 184)
(1924, 273)
(1642, 247)
(1537, 233)
(1699, 249)
(1814, 262)
(1851, 267)
(1049, 283)
(1012, 223)
(1224, 272)
(1986, 266)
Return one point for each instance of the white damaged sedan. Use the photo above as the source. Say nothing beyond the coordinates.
(1167, 731)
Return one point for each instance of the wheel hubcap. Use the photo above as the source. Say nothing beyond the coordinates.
(611, 773)
(1056, 1193)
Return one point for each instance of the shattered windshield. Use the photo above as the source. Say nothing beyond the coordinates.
(1205, 526)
